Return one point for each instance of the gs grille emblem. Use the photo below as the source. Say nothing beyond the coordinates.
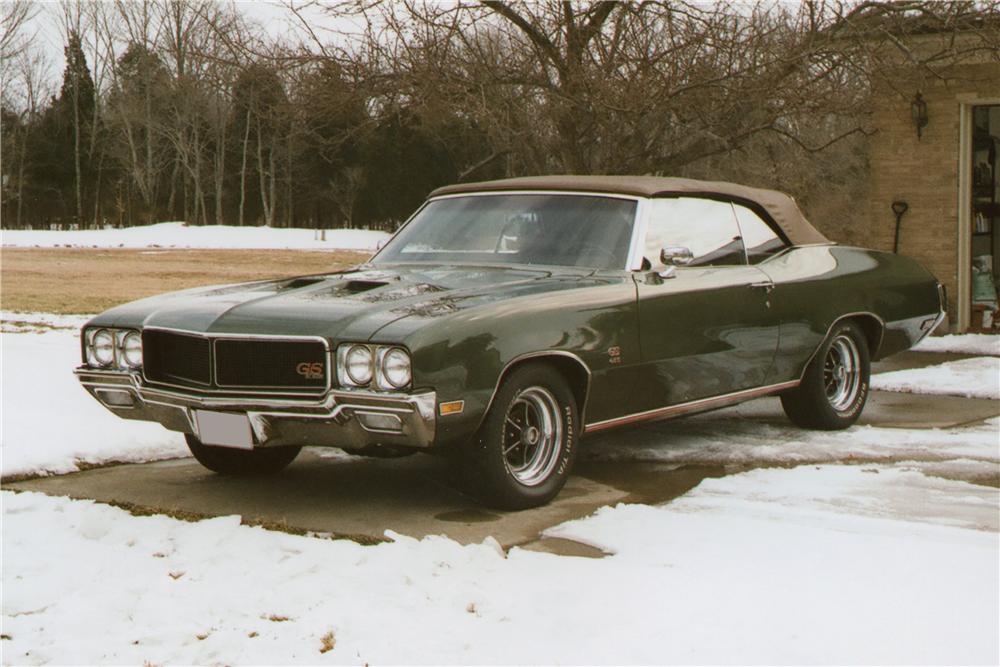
(310, 371)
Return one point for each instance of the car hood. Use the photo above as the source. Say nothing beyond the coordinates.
(347, 305)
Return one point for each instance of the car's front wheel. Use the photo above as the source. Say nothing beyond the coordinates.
(241, 462)
(526, 446)
(834, 388)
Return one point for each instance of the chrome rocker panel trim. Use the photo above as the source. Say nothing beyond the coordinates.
(331, 421)
(700, 405)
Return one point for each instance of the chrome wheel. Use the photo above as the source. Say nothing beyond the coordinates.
(842, 373)
(532, 435)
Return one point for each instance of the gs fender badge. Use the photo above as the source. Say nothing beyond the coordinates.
(614, 355)
(310, 370)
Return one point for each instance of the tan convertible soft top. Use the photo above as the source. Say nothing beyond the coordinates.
(781, 208)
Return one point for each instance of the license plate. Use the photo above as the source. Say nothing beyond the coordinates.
(224, 429)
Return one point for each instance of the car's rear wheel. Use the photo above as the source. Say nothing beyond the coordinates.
(525, 449)
(241, 462)
(834, 388)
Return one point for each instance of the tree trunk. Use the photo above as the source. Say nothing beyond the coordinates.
(172, 199)
(22, 158)
(220, 172)
(266, 180)
(76, 151)
(243, 168)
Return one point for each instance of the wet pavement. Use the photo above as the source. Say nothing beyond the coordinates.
(361, 498)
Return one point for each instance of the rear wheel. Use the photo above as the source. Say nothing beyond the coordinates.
(525, 449)
(834, 388)
(241, 462)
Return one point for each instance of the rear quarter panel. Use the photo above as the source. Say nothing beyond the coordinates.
(817, 285)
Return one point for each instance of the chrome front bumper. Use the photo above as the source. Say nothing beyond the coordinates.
(339, 418)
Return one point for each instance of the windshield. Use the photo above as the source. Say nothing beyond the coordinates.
(551, 229)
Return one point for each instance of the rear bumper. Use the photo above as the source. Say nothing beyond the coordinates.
(347, 419)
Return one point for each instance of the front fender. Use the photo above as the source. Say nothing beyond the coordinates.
(462, 355)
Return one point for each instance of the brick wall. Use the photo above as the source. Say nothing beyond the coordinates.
(923, 172)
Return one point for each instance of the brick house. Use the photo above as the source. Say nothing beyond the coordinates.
(941, 161)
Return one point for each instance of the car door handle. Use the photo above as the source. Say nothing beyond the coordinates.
(767, 286)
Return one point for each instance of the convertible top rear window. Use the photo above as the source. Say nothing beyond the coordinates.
(587, 231)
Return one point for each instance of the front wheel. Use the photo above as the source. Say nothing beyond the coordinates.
(525, 449)
(241, 462)
(834, 388)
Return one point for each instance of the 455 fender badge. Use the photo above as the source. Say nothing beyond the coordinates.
(614, 355)
(310, 370)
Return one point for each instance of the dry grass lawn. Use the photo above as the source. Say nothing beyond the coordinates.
(86, 280)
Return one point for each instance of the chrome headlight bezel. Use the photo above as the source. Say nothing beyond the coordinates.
(105, 348)
(128, 342)
(344, 375)
(376, 360)
(96, 348)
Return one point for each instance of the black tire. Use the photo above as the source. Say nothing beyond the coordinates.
(241, 462)
(502, 467)
(834, 387)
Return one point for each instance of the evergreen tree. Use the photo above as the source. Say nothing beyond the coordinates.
(76, 110)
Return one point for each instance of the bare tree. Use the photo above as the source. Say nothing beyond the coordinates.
(29, 76)
(14, 17)
(650, 87)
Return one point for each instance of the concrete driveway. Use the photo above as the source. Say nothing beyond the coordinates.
(358, 498)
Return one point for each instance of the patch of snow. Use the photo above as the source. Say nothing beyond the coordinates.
(811, 565)
(977, 344)
(978, 377)
(708, 440)
(51, 425)
(181, 235)
(27, 322)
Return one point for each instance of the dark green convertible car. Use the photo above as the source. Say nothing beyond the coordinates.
(505, 320)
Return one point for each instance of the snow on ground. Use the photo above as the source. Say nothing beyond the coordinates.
(181, 235)
(978, 377)
(977, 344)
(50, 424)
(22, 322)
(807, 566)
(709, 440)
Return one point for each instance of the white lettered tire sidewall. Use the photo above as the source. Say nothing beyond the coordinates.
(499, 486)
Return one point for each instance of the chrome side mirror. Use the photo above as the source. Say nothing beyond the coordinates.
(676, 256)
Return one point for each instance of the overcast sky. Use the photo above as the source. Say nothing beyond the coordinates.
(271, 15)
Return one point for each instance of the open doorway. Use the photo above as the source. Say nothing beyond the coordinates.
(984, 236)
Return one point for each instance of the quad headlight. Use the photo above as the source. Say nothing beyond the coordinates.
(358, 365)
(106, 348)
(130, 350)
(385, 367)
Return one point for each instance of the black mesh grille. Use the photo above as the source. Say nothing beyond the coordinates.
(270, 363)
(174, 358)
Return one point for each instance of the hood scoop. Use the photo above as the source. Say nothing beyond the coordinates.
(301, 282)
(401, 292)
(359, 286)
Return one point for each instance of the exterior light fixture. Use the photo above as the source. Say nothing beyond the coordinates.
(918, 112)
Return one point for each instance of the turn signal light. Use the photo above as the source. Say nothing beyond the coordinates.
(451, 408)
